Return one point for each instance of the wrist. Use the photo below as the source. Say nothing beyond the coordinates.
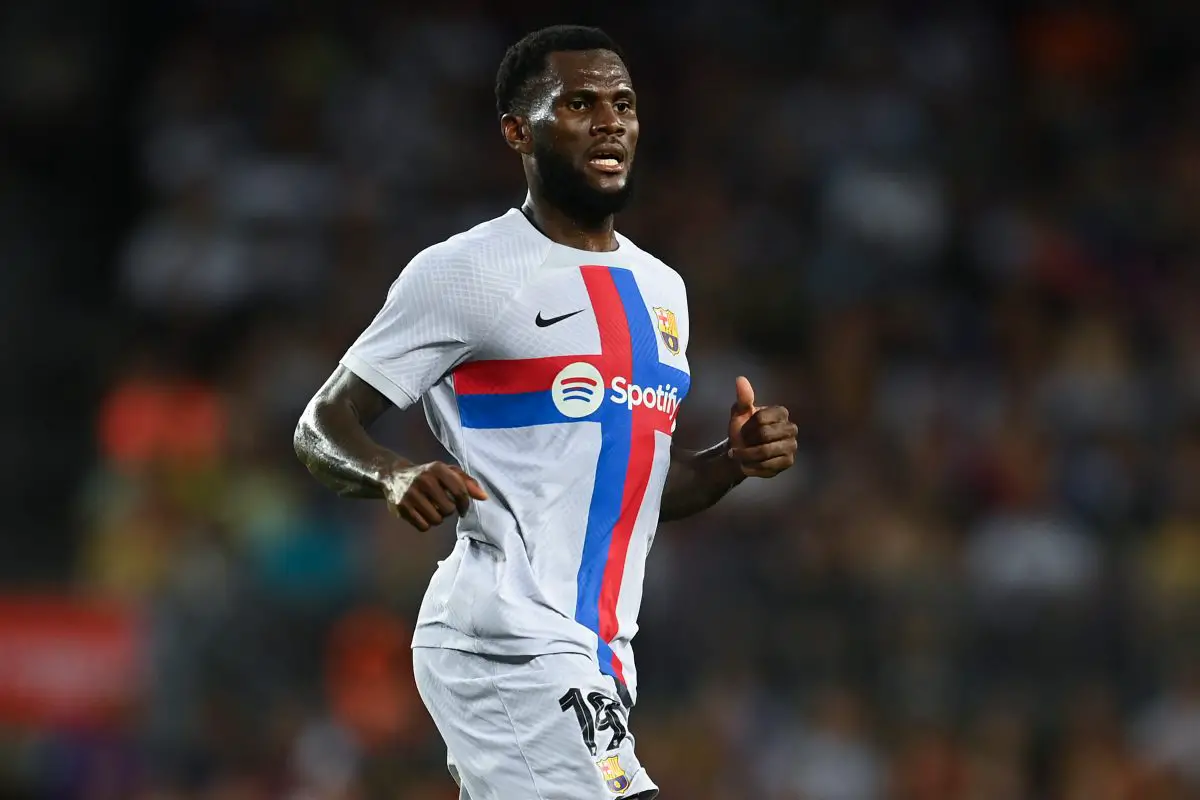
(733, 468)
(727, 468)
(388, 467)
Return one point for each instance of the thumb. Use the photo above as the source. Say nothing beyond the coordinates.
(475, 490)
(473, 487)
(745, 396)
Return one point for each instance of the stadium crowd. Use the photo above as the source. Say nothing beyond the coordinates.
(959, 244)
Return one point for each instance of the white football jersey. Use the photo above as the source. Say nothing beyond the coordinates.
(553, 376)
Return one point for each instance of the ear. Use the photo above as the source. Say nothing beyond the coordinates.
(516, 132)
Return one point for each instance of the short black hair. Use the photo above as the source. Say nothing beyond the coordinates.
(525, 61)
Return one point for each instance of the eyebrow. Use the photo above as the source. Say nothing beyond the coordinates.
(624, 91)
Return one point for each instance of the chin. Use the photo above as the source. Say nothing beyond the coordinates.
(610, 188)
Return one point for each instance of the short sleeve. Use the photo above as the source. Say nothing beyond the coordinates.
(436, 312)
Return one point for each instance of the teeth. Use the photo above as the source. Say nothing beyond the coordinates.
(607, 161)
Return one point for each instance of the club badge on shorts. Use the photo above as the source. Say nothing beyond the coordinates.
(614, 776)
(668, 328)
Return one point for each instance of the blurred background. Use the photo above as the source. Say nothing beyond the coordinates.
(959, 241)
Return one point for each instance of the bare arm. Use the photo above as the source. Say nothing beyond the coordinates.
(331, 439)
(696, 480)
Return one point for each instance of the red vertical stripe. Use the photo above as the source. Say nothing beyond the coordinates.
(615, 343)
(641, 461)
(610, 319)
(617, 348)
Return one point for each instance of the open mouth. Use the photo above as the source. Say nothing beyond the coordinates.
(607, 159)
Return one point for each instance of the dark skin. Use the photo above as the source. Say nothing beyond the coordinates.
(586, 100)
(331, 440)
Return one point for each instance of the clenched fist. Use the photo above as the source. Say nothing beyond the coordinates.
(425, 494)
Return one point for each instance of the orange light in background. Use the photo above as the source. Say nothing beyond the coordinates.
(143, 420)
(369, 677)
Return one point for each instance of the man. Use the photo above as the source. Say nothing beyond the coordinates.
(549, 351)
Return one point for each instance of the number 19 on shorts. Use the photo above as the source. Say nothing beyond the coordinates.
(603, 715)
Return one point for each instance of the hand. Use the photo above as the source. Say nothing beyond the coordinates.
(762, 441)
(425, 494)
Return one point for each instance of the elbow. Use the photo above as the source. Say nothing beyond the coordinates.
(305, 434)
(298, 438)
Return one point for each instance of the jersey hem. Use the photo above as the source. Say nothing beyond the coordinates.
(438, 636)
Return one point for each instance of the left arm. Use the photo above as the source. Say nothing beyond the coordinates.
(761, 443)
(697, 480)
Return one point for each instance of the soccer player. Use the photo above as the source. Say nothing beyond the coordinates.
(550, 354)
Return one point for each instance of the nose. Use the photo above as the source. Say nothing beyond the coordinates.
(607, 122)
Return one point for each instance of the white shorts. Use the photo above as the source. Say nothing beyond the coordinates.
(546, 727)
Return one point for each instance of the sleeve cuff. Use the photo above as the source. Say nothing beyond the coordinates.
(397, 394)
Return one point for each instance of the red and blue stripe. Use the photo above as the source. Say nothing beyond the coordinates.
(516, 393)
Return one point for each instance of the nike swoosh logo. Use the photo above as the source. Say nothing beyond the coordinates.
(542, 322)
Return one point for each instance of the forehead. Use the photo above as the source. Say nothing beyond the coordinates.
(599, 69)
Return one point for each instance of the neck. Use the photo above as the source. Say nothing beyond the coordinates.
(558, 226)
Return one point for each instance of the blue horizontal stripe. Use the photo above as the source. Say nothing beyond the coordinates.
(509, 410)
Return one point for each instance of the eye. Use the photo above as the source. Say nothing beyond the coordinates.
(578, 104)
(623, 106)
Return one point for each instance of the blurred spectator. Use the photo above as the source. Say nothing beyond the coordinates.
(956, 241)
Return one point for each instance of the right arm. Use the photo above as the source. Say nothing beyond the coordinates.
(331, 439)
(423, 330)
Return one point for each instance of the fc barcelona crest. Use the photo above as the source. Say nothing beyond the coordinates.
(668, 328)
(614, 776)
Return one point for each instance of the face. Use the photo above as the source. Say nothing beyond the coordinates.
(583, 133)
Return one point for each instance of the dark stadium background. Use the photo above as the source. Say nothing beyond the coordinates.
(959, 241)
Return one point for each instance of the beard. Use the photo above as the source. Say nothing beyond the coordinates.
(567, 188)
